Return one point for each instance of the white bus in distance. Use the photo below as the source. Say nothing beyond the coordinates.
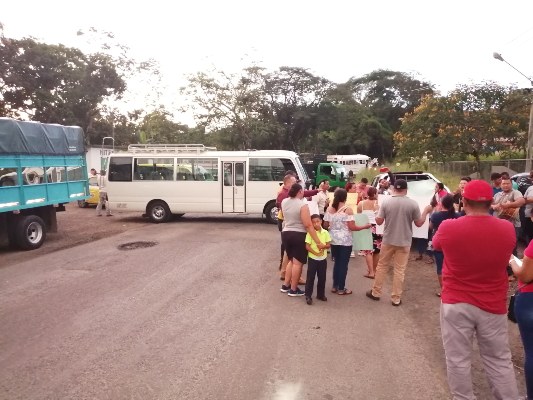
(353, 162)
(174, 179)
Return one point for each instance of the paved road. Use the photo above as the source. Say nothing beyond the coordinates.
(200, 316)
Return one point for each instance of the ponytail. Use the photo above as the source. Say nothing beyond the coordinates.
(339, 196)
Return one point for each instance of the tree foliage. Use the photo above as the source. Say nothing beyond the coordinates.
(54, 83)
(475, 120)
(226, 100)
(287, 108)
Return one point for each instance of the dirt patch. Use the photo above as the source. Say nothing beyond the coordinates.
(76, 226)
(136, 245)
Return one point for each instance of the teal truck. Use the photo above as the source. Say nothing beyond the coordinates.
(42, 167)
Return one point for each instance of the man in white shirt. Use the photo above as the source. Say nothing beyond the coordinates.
(322, 198)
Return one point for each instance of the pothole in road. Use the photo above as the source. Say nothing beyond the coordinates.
(136, 245)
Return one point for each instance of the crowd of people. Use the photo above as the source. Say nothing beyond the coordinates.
(473, 233)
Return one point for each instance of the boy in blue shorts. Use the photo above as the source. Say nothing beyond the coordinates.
(317, 261)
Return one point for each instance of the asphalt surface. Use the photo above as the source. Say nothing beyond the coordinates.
(200, 316)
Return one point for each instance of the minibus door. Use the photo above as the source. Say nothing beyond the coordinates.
(234, 189)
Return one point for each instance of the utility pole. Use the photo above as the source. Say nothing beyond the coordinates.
(498, 56)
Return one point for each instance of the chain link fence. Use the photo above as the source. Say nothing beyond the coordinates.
(469, 168)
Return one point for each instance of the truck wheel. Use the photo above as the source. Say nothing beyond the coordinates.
(30, 232)
(271, 213)
(82, 204)
(158, 212)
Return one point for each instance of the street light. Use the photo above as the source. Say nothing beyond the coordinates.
(498, 56)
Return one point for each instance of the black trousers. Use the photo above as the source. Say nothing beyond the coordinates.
(318, 268)
(528, 229)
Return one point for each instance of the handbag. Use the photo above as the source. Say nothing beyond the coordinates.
(510, 213)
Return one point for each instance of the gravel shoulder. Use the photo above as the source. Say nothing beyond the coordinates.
(76, 226)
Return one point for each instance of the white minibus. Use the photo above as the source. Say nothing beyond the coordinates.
(174, 179)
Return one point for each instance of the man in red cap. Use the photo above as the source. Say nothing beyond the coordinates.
(477, 249)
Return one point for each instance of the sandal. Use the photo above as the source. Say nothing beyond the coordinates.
(344, 292)
(334, 290)
(369, 276)
(418, 258)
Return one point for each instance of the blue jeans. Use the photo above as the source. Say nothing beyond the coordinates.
(439, 260)
(523, 308)
(341, 254)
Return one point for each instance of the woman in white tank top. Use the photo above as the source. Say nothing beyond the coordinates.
(370, 207)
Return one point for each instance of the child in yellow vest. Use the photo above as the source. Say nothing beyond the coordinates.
(317, 263)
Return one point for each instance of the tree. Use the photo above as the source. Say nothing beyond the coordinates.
(54, 83)
(388, 96)
(228, 101)
(293, 97)
(347, 127)
(476, 120)
(157, 127)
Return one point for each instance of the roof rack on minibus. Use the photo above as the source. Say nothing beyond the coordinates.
(169, 148)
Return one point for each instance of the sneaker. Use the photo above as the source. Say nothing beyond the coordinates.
(308, 300)
(352, 254)
(285, 289)
(296, 293)
(371, 296)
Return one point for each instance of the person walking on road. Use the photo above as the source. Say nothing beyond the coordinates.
(398, 212)
(103, 200)
(477, 249)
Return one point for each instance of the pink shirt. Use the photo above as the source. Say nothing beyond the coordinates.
(476, 254)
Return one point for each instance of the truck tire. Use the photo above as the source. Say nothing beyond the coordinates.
(158, 212)
(271, 213)
(82, 204)
(30, 232)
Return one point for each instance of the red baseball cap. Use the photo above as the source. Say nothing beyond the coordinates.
(478, 190)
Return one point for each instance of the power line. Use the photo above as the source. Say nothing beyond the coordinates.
(517, 37)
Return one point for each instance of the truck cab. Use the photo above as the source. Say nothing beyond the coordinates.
(335, 173)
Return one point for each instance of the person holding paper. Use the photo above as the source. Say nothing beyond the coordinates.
(399, 213)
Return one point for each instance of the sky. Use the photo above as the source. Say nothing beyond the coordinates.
(443, 42)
